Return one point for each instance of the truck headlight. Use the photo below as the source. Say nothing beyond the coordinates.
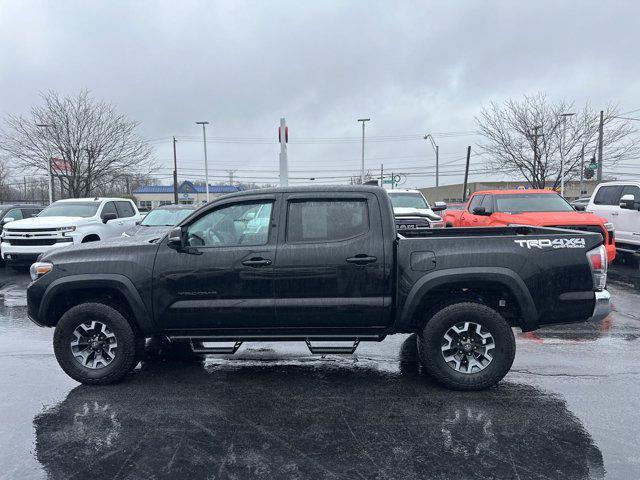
(67, 229)
(39, 269)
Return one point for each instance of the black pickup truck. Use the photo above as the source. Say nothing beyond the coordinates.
(316, 265)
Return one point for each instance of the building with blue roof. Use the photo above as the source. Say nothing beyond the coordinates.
(152, 196)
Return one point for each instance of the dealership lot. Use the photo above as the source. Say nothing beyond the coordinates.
(568, 409)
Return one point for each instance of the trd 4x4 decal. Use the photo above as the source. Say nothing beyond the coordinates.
(549, 243)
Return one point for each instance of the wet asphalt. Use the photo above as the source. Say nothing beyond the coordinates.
(569, 409)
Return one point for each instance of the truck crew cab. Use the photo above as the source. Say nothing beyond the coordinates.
(326, 265)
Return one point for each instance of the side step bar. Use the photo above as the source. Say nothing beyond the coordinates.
(215, 350)
(333, 350)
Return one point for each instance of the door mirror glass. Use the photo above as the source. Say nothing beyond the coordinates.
(439, 206)
(174, 239)
(628, 202)
(107, 217)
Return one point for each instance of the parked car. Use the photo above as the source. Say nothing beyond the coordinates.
(160, 220)
(412, 210)
(580, 204)
(328, 265)
(10, 212)
(543, 208)
(64, 223)
(619, 203)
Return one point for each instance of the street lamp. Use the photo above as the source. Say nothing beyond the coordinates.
(206, 165)
(436, 148)
(363, 120)
(564, 132)
(46, 126)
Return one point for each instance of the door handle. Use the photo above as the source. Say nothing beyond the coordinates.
(614, 213)
(361, 259)
(257, 262)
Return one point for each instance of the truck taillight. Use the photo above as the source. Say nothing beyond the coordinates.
(598, 263)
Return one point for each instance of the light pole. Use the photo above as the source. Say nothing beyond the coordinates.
(436, 148)
(564, 132)
(206, 165)
(46, 127)
(363, 120)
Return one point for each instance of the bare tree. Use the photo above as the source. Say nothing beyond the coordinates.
(529, 138)
(96, 146)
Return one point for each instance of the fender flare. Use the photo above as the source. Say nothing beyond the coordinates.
(505, 276)
(116, 281)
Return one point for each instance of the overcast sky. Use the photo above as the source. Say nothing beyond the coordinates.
(412, 67)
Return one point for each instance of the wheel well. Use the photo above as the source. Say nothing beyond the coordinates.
(91, 238)
(109, 296)
(492, 294)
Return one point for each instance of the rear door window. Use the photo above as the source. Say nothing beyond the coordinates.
(608, 195)
(326, 220)
(125, 209)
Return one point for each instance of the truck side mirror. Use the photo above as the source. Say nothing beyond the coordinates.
(480, 211)
(108, 216)
(439, 206)
(579, 207)
(628, 202)
(174, 240)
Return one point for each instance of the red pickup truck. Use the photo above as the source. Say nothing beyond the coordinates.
(541, 208)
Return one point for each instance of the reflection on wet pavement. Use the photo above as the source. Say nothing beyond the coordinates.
(568, 410)
(296, 421)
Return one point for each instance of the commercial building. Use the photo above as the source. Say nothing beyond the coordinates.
(151, 196)
(453, 193)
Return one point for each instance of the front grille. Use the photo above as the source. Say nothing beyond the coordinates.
(31, 230)
(26, 242)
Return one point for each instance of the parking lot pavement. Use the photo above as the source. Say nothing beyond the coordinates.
(569, 409)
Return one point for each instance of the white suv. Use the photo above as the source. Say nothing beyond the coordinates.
(67, 222)
(619, 203)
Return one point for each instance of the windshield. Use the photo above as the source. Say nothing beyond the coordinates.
(408, 200)
(70, 209)
(165, 217)
(531, 202)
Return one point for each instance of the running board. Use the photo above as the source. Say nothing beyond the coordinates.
(216, 350)
(333, 350)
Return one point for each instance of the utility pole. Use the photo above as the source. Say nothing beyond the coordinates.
(283, 139)
(24, 180)
(466, 175)
(564, 134)
(436, 148)
(382, 175)
(581, 172)
(46, 127)
(206, 165)
(363, 120)
(600, 140)
(175, 173)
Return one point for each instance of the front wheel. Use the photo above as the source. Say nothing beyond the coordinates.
(467, 346)
(95, 345)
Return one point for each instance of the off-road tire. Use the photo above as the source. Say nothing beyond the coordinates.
(431, 337)
(126, 354)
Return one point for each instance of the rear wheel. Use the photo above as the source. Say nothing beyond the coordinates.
(95, 345)
(467, 346)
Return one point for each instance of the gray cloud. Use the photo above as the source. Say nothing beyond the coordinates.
(411, 66)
